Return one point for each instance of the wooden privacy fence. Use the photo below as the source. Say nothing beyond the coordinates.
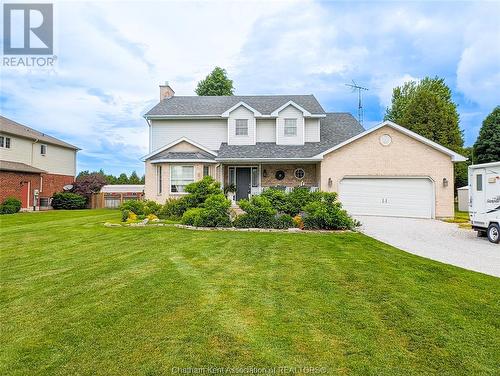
(113, 200)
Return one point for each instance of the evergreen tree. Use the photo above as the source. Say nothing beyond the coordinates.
(487, 146)
(122, 179)
(216, 83)
(134, 179)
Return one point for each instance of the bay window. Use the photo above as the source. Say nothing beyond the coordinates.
(180, 176)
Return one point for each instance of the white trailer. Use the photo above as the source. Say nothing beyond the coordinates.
(484, 199)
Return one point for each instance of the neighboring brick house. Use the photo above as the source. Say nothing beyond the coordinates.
(285, 141)
(33, 165)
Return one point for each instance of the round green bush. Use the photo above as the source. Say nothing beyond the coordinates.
(10, 205)
(68, 201)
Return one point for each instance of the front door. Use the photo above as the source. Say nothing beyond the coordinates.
(243, 183)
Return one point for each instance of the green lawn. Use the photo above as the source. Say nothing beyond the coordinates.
(78, 298)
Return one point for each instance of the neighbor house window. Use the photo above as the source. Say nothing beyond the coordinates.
(241, 127)
(43, 149)
(4, 142)
(290, 127)
(479, 182)
(206, 171)
(180, 176)
(158, 180)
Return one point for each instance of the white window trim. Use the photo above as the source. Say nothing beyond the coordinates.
(4, 146)
(46, 149)
(295, 173)
(170, 179)
(236, 128)
(284, 127)
(159, 180)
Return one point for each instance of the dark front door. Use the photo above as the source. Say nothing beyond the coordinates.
(243, 183)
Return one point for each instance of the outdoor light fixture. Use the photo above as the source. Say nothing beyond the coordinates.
(445, 182)
(330, 182)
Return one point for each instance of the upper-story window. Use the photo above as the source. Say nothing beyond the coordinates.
(4, 142)
(290, 127)
(241, 127)
(43, 149)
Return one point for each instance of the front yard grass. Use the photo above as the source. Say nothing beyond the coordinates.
(78, 298)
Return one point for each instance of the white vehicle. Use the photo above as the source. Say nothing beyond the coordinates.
(484, 199)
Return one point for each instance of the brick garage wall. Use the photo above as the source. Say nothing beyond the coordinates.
(52, 183)
(405, 156)
(11, 182)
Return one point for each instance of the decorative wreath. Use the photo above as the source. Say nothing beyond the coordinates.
(280, 175)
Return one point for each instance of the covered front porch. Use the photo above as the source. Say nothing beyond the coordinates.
(250, 179)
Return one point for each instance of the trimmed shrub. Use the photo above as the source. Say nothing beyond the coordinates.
(297, 200)
(259, 211)
(199, 191)
(298, 222)
(135, 206)
(325, 215)
(283, 221)
(243, 221)
(277, 198)
(189, 217)
(125, 214)
(10, 205)
(68, 200)
(214, 213)
(174, 208)
(152, 207)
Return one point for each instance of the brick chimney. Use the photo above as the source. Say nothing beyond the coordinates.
(166, 91)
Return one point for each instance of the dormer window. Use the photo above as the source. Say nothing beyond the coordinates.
(241, 127)
(290, 127)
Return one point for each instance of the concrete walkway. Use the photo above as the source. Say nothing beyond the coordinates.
(436, 240)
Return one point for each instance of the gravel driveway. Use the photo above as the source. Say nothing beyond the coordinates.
(436, 240)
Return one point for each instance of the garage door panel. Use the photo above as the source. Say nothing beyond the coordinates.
(401, 197)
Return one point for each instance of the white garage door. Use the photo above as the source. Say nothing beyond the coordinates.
(388, 197)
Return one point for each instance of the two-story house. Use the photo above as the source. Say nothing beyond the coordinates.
(255, 142)
(33, 165)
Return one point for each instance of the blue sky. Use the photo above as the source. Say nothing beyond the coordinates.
(112, 56)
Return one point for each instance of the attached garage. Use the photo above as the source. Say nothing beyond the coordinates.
(392, 197)
(389, 170)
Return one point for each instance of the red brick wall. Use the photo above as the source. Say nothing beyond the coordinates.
(11, 182)
(54, 183)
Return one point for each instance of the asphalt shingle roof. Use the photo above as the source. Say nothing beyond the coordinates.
(14, 128)
(201, 155)
(19, 167)
(217, 105)
(335, 128)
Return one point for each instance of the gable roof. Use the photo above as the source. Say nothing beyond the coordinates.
(335, 128)
(455, 157)
(163, 149)
(14, 128)
(215, 106)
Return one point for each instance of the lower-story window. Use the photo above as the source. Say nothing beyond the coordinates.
(180, 176)
(158, 180)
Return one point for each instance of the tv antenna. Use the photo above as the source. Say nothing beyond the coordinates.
(354, 87)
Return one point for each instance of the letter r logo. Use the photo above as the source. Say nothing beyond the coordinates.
(28, 29)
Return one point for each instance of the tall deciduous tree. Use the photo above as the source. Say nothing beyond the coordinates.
(216, 83)
(487, 146)
(426, 107)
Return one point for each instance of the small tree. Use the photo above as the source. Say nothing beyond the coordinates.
(216, 83)
(88, 184)
(487, 146)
